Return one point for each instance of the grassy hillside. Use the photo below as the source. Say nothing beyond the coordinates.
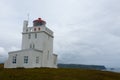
(56, 74)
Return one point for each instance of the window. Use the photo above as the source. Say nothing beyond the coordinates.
(30, 45)
(37, 59)
(26, 59)
(33, 45)
(29, 36)
(39, 29)
(34, 29)
(35, 35)
(14, 60)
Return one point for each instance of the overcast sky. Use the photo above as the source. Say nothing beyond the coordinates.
(86, 31)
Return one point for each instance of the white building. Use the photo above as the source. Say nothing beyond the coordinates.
(37, 48)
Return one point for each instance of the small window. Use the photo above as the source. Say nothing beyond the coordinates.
(35, 35)
(39, 29)
(30, 45)
(34, 29)
(14, 60)
(26, 59)
(29, 36)
(37, 59)
(33, 45)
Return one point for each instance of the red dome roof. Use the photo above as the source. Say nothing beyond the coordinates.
(39, 22)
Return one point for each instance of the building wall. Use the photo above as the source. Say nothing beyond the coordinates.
(40, 46)
(44, 42)
(20, 59)
(38, 43)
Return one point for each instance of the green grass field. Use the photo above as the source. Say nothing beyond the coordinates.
(56, 74)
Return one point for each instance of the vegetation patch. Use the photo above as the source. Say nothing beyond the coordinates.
(56, 74)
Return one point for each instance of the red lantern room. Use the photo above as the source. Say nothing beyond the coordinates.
(39, 22)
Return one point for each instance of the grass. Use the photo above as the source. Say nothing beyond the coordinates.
(56, 74)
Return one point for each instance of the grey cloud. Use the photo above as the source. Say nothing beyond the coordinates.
(86, 31)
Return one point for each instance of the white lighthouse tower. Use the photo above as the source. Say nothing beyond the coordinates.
(37, 48)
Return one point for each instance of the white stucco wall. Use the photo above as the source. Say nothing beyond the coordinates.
(20, 59)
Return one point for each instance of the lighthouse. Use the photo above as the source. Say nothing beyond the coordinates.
(36, 49)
